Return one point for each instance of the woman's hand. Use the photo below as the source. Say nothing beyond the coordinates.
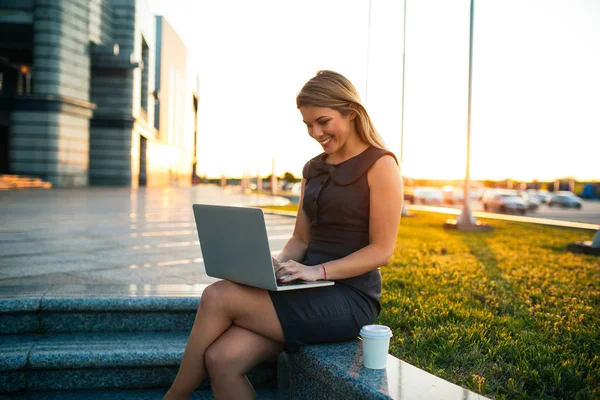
(294, 270)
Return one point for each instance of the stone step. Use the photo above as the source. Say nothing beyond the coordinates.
(154, 394)
(92, 361)
(99, 308)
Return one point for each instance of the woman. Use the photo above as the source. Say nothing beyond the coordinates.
(346, 228)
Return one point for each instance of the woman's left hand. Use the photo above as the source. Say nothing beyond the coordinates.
(295, 270)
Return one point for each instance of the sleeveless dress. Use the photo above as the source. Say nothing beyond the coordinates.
(336, 200)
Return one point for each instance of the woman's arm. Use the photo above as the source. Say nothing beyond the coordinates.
(386, 196)
(295, 248)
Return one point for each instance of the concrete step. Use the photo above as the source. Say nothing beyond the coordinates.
(93, 361)
(80, 308)
(155, 394)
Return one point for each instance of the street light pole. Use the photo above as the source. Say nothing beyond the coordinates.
(404, 210)
(466, 216)
(466, 221)
(368, 55)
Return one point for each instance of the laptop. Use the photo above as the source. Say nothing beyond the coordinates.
(235, 247)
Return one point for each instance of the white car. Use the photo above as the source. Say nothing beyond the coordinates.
(453, 195)
(428, 195)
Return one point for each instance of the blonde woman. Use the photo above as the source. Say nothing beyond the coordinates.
(346, 228)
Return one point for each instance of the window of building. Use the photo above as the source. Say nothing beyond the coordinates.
(145, 76)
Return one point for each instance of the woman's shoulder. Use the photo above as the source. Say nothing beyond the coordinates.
(384, 172)
(376, 153)
(358, 166)
(384, 165)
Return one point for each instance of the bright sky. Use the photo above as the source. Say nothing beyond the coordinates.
(536, 82)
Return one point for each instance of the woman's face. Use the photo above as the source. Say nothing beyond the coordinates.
(328, 127)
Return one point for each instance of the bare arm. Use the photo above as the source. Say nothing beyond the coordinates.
(296, 246)
(386, 196)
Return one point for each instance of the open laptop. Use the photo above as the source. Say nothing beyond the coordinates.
(235, 247)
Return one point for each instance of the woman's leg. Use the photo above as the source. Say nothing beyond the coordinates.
(223, 303)
(233, 355)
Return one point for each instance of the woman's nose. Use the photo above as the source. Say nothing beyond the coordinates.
(316, 132)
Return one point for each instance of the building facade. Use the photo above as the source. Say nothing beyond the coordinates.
(176, 108)
(78, 95)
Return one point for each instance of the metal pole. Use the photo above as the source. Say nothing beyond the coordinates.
(368, 55)
(466, 216)
(403, 75)
(404, 210)
(273, 179)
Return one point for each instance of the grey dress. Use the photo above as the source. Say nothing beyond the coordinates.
(336, 200)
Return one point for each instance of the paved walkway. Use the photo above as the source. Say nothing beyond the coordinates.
(113, 236)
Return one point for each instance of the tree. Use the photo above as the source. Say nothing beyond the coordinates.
(289, 177)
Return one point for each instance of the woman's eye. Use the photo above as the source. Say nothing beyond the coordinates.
(325, 122)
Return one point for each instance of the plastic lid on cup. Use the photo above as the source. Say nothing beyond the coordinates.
(375, 332)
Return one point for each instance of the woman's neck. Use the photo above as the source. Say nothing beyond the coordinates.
(352, 148)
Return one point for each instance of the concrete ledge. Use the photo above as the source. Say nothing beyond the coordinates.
(332, 371)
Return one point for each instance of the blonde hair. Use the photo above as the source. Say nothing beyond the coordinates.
(332, 90)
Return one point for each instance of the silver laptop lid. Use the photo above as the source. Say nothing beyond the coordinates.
(235, 245)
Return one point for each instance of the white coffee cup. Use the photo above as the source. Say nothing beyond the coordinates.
(376, 343)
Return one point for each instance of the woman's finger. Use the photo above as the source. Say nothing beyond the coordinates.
(282, 271)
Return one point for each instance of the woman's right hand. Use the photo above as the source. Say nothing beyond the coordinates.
(275, 262)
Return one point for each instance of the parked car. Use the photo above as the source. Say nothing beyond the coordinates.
(542, 195)
(505, 201)
(453, 195)
(532, 202)
(566, 200)
(428, 195)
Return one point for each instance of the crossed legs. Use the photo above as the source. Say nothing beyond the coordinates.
(236, 327)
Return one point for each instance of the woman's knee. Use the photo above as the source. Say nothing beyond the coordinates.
(215, 295)
(219, 362)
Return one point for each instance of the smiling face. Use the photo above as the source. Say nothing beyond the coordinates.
(329, 127)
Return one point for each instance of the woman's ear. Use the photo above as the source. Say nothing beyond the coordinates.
(352, 115)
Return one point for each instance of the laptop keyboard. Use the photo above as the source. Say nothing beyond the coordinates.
(292, 283)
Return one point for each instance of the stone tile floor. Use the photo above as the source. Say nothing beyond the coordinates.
(106, 236)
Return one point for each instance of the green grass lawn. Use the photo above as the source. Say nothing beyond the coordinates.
(508, 314)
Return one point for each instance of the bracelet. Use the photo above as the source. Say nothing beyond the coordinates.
(324, 272)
